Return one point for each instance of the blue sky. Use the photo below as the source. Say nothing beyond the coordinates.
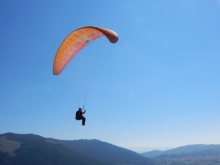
(157, 87)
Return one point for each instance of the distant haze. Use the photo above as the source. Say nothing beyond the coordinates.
(146, 149)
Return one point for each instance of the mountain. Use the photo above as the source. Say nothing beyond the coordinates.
(206, 157)
(32, 149)
(26, 149)
(188, 155)
(183, 149)
(103, 151)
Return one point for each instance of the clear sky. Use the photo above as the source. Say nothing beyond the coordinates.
(157, 87)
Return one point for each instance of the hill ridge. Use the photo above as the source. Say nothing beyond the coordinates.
(38, 150)
(182, 149)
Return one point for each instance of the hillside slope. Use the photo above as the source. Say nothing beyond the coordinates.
(31, 149)
(206, 157)
(181, 150)
(26, 149)
(103, 151)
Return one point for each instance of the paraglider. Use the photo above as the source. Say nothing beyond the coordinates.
(75, 42)
(79, 116)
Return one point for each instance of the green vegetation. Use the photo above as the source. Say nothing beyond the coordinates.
(37, 150)
(188, 155)
(30, 149)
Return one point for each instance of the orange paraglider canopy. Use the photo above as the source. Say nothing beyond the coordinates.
(75, 41)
